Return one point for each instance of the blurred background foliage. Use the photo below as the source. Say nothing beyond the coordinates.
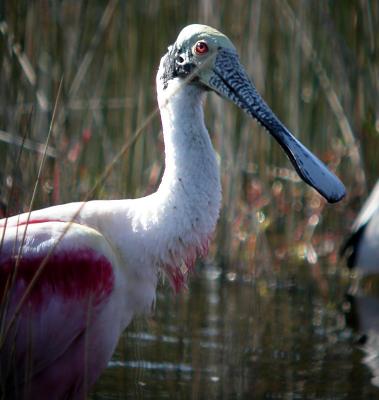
(315, 63)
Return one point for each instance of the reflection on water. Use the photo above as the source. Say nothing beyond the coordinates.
(227, 339)
(364, 317)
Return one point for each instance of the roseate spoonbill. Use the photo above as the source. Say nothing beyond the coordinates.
(362, 246)
(74, 275)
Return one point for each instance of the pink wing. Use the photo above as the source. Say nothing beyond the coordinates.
(56, 310)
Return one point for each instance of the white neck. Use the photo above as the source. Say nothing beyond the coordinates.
(171, 227)
(189, 197)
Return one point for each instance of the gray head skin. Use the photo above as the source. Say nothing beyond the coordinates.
(206, 57)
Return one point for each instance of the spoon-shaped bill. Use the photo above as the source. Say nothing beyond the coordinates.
(231, 81)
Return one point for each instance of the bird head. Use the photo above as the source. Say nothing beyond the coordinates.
(204, 57)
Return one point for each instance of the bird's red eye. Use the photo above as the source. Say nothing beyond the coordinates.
(201, 48)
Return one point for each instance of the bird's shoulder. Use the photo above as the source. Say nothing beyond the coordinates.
(56, 259)
(369, 214)
(369, 210)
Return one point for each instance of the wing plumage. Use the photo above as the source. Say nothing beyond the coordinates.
(56, 288)
(361, 246)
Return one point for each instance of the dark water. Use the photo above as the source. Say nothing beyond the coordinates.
(227, 338)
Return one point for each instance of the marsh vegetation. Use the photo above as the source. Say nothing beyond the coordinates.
(264, 315)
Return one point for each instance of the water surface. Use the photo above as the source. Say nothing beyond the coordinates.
(227, 338)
